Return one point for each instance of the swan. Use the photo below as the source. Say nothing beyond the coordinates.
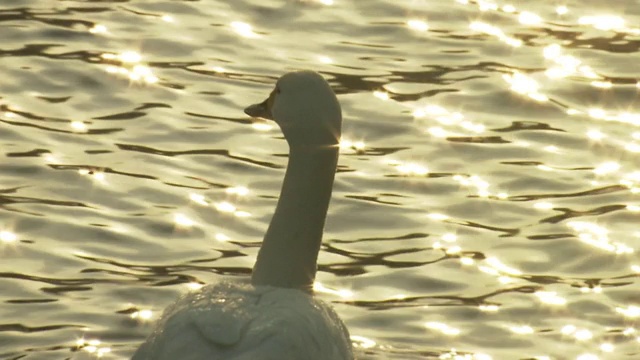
(275, 317)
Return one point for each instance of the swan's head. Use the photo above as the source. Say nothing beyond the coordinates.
(306, 109)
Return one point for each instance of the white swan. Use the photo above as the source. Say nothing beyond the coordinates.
(275, 317)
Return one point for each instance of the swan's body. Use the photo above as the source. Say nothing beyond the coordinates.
(274, 317)
(232, 321)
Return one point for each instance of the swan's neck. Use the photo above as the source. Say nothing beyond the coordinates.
(289, 252)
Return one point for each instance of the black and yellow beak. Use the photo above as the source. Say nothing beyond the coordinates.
(263, 109)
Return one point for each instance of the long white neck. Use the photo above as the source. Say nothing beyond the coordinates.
(289, 253)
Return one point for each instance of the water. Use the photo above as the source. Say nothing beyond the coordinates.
(486, 202)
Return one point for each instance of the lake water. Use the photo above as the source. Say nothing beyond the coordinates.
(486, 206)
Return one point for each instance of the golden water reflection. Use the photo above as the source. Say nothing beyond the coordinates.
(128, 63)
(244, 29)
(8, 236)
(558, 62)
(93, 346)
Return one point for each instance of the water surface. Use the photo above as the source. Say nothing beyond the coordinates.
(487, 200)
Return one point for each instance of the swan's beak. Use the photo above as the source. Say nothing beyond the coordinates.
(262, 110)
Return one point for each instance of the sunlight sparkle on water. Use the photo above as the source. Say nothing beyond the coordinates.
(489, 308)
(93, 346)
(437, 216)
(99, 176)
(109, 56)
(550, 298)
(607, 347)
(51, 159)
(467, 261)
(588, 357)
(130, 67)
(449, 237)
(509, 8)
(453, 250)
(362, 342)
(587, 289)
(222, 237)
(595, 134)
(485, 5)
(8, 236)
(194, 286)
(358, 146)
(443, 328)
(602, 84)
(418, 25)
(446, 117)
(498, 265)
(98, 29)
(454, 355)
(568, 329)
(237, 190)
(142, 72)
(325, 59)
(597, 113)
(567, 65)
(142, 315)
(129, 57)
(197, 198)
(183, 220)
(242, 214)
(243, 29)
(343, 293)
(583, 335)
(262, 126)
(412, 169)
(607, 168)
(438, 132)
(524, 85)
(597, 236)
(506, 279)
(604, 22)
(543, 205)
(435, 110)
(482, 186)
(630, 311)
(522, 329)
(225, 207)
(167, 18)
(495, 31)
(632, 147)
(383, 95)
(78, 126)
(562, 10)
(529, 18)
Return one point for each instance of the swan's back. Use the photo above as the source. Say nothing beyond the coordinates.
(241, 322)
